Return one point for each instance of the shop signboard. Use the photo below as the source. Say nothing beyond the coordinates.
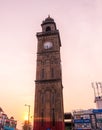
(95, 111)
(99, 120)
(82, 121)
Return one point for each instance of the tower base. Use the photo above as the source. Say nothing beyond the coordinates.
(48, 126)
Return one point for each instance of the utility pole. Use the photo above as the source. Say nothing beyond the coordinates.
(28, 113)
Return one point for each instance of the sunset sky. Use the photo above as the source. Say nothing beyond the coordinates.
(80, 26)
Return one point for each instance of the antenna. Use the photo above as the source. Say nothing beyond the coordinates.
(93, 88)
(101, 87)
(97, 88)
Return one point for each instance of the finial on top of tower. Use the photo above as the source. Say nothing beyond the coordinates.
(48, 15)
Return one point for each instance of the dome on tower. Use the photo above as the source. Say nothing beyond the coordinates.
(48, 20)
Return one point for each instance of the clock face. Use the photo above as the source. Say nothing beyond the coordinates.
(48, 45)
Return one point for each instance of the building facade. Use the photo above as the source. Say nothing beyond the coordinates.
(48, 108)
(7, 123)
(87, 119)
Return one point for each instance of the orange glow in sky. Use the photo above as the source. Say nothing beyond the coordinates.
(80, 26)
(26, 117)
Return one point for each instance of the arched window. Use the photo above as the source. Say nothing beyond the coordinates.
(52, 72)
(48, 29)
(42, 114)
(42, 73)
(53, 98)
(42, 98)
(53, 117)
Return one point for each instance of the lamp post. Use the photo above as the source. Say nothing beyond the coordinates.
(28, 112)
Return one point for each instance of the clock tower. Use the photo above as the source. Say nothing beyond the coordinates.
(48, 107)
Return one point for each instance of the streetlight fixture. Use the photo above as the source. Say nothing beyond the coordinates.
(28, 112)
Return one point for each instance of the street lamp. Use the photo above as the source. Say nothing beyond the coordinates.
(28, 112)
